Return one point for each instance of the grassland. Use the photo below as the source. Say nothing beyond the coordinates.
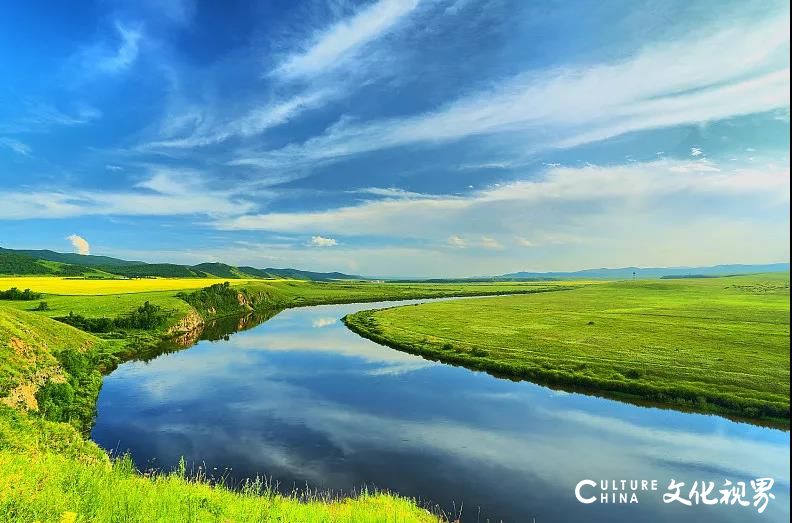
(50, 375)
(712, 345)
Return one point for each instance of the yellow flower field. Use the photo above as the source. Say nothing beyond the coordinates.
(56, 285)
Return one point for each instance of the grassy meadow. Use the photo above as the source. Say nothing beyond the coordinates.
(51, 373)
(711, 345)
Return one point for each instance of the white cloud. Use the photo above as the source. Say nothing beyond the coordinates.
(332, 45)
(320, 323)
(252, 123)
(695, 151)
(126, 54)
(79, 243)
(735, 71)
(524, 242)
(16, 146)
(490, 243)
(321, 241)
(457, 241)
(680, 212)
(551, 193)
(165, 192)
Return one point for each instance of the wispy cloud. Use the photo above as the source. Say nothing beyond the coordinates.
(457, 241)
(124, 55)
(254, 122)
(41, 117)
(330, 46)
(568, 208)
(16, 146)
(490, 243)
(735, 71)
(164, 192)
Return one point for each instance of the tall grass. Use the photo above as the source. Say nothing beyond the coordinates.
(50, 487)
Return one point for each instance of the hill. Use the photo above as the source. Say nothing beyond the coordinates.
(46, 262)
(297, 274)
(88, 260)
(625, 273)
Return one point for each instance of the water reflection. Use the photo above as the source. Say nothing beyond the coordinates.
(303, 400)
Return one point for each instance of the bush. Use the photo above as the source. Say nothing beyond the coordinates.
(147, 316)
(42, 306)
(15, 294)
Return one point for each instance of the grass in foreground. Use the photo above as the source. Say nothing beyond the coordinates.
(712, 345)
(50, 487)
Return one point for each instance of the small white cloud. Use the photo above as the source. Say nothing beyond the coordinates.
(490, 243)
(524, 242)
(115, 168)
(321, 241)
(322, 322)
(457, 241)
(695, 151)
(79, 243)
(750, 149)
(660, 153)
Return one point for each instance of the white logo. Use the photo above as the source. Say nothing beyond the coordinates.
(588, 491)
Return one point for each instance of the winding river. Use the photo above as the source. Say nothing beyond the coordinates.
(304, 401)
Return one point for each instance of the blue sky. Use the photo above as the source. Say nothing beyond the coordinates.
(398, 137)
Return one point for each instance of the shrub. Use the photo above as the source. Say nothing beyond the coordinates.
(147, 316)
(15, 294)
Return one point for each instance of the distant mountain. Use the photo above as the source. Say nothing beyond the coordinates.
(624, 273)
(221, 270)
(19, 262)
(298, 274)
(88, 260)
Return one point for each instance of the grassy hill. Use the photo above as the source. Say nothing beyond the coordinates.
(88, 260)
(46, 262)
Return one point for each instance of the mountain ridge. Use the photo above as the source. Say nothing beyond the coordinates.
(654, 272)
(44, 262)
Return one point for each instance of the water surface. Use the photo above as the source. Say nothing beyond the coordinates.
(304, 401)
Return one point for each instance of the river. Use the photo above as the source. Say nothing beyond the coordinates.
(304, 401)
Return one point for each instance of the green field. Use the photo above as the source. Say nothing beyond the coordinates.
(51, 372)
(711, 345)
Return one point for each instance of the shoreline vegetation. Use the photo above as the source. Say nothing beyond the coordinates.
(707, 346)
(55, 347)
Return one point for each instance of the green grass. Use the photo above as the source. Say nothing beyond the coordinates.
(49, 473)
(711, 345)
(294, 293)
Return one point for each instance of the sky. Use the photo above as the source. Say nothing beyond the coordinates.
(398, 137)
